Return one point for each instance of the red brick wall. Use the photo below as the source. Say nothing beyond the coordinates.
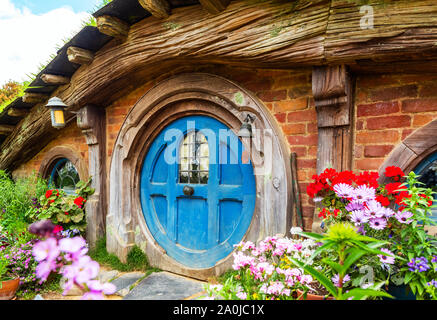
(70, 136)
(388, 109)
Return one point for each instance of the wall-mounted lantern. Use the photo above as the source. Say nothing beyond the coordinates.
(57, 107)
(246, 127)
(246, 134)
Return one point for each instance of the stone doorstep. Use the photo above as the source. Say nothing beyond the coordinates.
(165, 286)
(124, 282)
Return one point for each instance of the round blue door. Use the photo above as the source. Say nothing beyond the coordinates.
(197, 195)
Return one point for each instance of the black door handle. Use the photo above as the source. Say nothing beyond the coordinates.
(188, 191)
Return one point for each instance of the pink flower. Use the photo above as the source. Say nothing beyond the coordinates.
(46, 250)
(403, 216)
(363, 194)
(358, 217)
(374, 209)
(97, 290)
(44, 268)
(344, 190)
(241, 261)
(241, 295)
(386, 259)
(377, 223)
(336, 280)
(76, 246)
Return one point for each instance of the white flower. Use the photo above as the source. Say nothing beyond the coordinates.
(295, 230)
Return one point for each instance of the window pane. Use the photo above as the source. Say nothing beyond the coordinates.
(194, 159)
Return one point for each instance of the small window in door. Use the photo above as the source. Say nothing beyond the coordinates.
(194, 159)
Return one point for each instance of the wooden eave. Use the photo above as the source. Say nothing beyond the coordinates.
(257, 34)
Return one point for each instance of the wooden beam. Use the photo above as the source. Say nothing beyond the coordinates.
(214, 6)
(6, 129)
(333, 96)
(79, 55)
(19, 113)
(54, 79)
(113, 27)
(33, 98)
(158, 8)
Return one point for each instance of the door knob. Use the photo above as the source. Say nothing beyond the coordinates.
(188, 191)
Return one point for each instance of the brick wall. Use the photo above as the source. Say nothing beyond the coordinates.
(70, 136)
(388, 109)
(287, 94)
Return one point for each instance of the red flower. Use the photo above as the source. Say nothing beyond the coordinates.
(79, 201)
(57, 229)
(49, 193)
(395, 172)
(384, 201)
(393, 187)
(427, 198)
(66, 213)
(368, 178)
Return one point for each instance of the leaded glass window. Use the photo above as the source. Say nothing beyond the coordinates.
(194, 159)
(64, 176)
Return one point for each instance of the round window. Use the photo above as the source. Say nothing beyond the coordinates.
(427, 170)
(64, 176)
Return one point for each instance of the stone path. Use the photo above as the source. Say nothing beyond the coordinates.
(138, 286)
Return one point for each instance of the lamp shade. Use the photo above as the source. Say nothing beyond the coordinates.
(57, 107)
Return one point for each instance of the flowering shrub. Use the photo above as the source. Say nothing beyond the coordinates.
(65, 210)
(264, 271)
(67, 256)
(395, 211)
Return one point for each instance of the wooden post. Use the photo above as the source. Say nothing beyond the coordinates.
(19, 113)
(6, 129)
(333, 95)
(54, 79)
(79, 55)
(91, 120)
(113, 27)
(158, 8)
(33, 98)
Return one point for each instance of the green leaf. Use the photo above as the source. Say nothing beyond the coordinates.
(312, 235)
(334, 265)
(354, 255)
(324, 281)
(359, 294)
(77, 218)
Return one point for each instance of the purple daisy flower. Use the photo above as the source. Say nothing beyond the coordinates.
(388, 212)
(358, 217)
(343, 190)
(377, 223)
(403, 216)
(336, 280)
(374, 209)
(386, 259)
(363, 194)
(353, 206)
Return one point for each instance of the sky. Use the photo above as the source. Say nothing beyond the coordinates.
(31, 30)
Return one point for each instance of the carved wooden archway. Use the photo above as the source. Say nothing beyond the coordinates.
(410, 152)
(171, 99)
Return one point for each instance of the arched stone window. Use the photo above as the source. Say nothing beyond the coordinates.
(64, 175)
(418, 152)
(63, 168)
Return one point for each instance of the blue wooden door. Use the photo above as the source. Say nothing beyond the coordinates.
(197, 195)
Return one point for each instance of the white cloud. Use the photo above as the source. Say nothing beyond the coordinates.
(27, 40)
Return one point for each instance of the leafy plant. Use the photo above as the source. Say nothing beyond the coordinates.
(65, 210)
(349, 247)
